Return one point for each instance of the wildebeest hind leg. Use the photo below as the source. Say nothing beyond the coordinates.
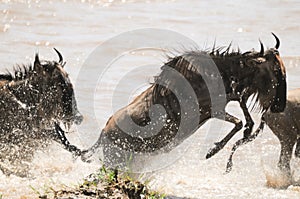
(219, 145)
(241, 142)
(113, 155)
(116, 158)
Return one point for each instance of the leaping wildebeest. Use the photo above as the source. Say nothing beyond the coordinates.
(34, 101)
(243, 74)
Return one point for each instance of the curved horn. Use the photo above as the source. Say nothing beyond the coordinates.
(277, 41)
(59, 55)
(262, 50)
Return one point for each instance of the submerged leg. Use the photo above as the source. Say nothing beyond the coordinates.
(285, 156)
(241, 142)
(219, 145)
(20, 171)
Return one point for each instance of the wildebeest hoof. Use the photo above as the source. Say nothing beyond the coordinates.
(214, 150)
(75, 151)
(228, 167)
(85, 156)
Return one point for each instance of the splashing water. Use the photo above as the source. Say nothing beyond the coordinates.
(76, 28)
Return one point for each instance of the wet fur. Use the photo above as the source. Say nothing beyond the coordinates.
(243, 75)
(286, 126)
(33, 100)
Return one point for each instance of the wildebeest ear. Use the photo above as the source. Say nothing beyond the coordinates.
(37, 64)
(280, 99)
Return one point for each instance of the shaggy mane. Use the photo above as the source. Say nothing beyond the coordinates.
(195, 63)
(19, 73)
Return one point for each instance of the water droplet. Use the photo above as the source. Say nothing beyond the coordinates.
(240, 30)
(6, 27)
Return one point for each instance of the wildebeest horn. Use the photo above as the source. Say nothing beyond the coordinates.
(277, 41)
(59, 55)
(261, 53)
(36, 59)
(37, 64)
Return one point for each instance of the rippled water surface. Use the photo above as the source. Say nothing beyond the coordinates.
(77, 28)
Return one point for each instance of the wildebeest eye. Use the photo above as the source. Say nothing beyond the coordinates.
(260, 60)
(255, 61)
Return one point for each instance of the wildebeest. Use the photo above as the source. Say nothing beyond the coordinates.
(243, 74)
(286, 126)
(33, 102)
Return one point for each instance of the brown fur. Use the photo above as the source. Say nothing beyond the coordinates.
(32, 103)
(286, 126)
(261, 73)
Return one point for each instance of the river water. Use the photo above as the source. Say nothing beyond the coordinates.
(121, 68)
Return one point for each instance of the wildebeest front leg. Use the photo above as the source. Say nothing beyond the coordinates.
(285, 156)
(249, 121)
(59, 136)
(219, 145)
(241, 142)
(248, 137)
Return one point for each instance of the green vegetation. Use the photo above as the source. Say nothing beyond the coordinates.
(106, 183)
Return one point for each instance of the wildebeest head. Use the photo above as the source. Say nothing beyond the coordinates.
(270, 78)
(58, 99)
